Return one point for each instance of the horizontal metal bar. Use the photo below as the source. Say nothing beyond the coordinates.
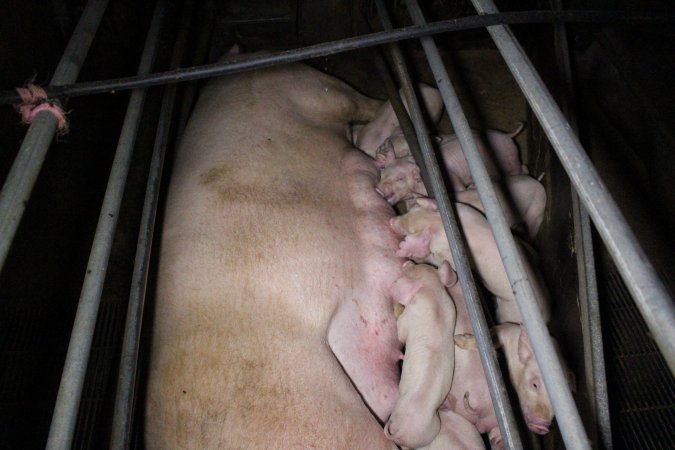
(77, 358)
(252, 62)
(33, 151)
(651, 296)
(481, 330)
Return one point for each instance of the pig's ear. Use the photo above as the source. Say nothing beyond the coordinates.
(416, 172)
(427, 203)
(571, 380)
(524, 346)
(465, 341)
(385, 154)
(494, 333)
(433, 101)
(447, 275)
(407, 263)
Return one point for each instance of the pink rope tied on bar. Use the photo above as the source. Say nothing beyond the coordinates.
(35, 100)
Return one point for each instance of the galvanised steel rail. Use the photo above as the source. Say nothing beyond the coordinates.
(245, 63)
(651, 296)
(33, 151)
(498, 392)
(589, 303)
(123, 413)
(567, 415)
(72, 379)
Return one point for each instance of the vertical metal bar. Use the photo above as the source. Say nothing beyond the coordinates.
(481, 330)
(651, 296)
(561, 397)
(401, 114)
(77, 358)
(33, 151)
(588, 287)
(126, 384)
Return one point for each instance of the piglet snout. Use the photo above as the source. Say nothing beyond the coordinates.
(539, 426)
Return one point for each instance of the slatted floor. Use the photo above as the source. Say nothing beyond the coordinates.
(641, 388)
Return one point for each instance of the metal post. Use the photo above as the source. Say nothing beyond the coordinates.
(77, 358)
(33, 151)
(126, 384)
(651, 296)
(563, 404)
(588, 288)
(481, 330)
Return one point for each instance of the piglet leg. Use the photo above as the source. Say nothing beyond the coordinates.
(456, 433)
(426, 327)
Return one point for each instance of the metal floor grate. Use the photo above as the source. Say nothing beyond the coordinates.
(642, 390)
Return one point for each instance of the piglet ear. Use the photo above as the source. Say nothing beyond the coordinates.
(571, 380)
(465, 341)
(494, 333)
(447, 275)
(427, 203)
(416, 172)
(385, 154)
(524, 346)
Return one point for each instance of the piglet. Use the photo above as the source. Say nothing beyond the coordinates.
(500, 156)
(425, 241)
(469, 395)
(456, 433)
(522, 198)
(370, 136)
(426, 327)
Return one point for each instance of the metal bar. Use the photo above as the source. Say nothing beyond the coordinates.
(561, 398)
(588, 286)
(651, 297)
(33, 151)
(200, 47)
(401, 114)
(77, 358)
(481, 330)
(126, 385)
(246, 63)
(557, 388)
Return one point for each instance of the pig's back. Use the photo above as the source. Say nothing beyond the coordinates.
(255, 254)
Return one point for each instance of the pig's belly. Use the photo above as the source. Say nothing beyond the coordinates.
(272, 308)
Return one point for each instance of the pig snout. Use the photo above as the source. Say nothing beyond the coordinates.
(536, 406)
(539, 426)
(400, 181)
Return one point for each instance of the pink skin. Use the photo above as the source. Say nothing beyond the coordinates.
(522, 198)
(310, 355)
(469, 395)
(426, 327)
(501, 158)
(425, 241)
(402, 176)
(526, 376)
(370, 136)
(456, 433)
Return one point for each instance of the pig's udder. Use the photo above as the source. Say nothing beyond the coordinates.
(362, 333)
